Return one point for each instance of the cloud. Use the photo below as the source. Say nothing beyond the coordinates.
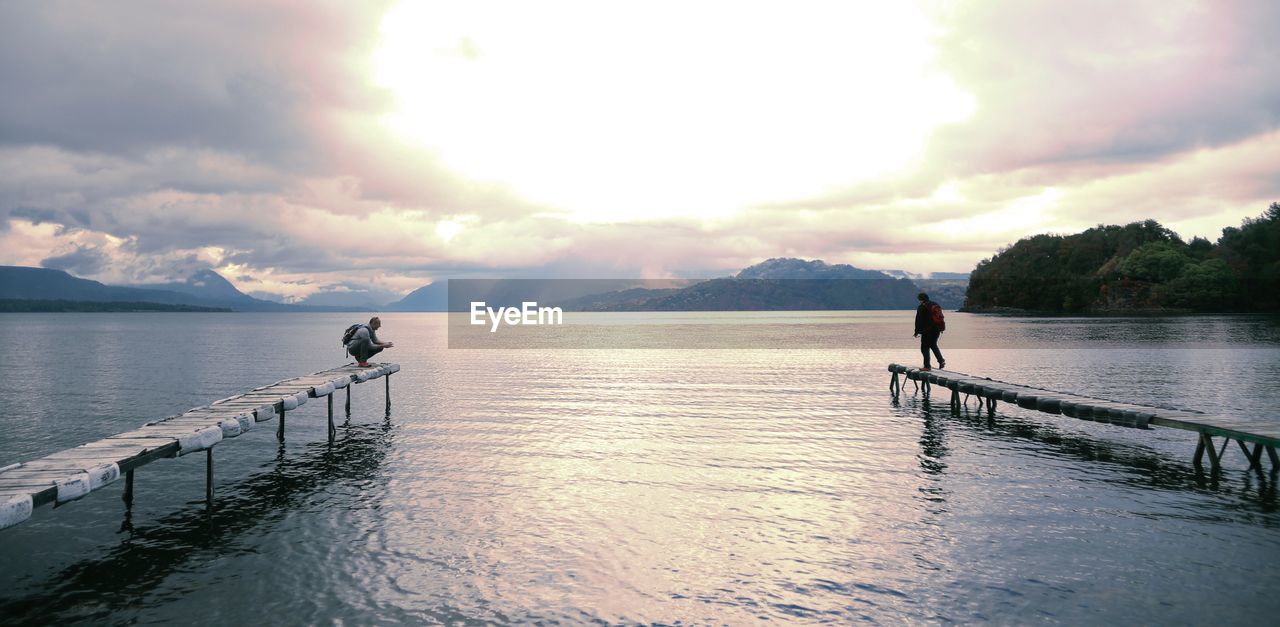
(249, 78)
(143, 142)
(352, 293)
(83, 260)
(1099, 82)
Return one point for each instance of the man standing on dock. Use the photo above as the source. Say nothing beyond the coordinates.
(364, 342)
(929, 325)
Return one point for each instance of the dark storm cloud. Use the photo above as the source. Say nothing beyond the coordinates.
(82, 260)
(283, 254)
(170, 268)
(41, 216)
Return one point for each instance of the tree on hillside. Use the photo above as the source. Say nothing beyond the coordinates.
(1253, 252)
(1059, 273)
(1158, 261)
(1203, 286)
(1136, 266)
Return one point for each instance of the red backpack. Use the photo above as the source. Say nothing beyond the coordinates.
(935, 313)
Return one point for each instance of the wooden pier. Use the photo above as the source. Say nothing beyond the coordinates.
(73, 473)
(1263, 434)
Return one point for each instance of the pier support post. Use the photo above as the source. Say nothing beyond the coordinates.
(208, 480)
(332, 430)
(1275, 459)
(128, 489)
(349, 400)
(1255, 456)
(955, 401)
(893, 385)
(1197, 461)
(387, 378)
(280, 429)
(1207, 442)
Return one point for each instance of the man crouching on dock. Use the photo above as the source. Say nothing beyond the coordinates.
(364, 342)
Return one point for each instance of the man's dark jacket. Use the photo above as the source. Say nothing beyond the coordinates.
(924, 321)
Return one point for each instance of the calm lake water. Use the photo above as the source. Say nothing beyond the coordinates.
(661, 485)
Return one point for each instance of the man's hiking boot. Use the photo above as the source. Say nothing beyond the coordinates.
(942, 363)
(926, 369)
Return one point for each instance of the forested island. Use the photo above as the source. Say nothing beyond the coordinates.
(1138, 267)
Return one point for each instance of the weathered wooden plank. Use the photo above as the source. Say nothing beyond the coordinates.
(141, 434)
(211, 419)
(44, 480)
(1245, 430)
(312, 390)
(248, 406)
(105, 451)
(284, 389)
(138, 436)
(165, 427)
(58, 458)
(319, 376)
(151, 443)
(36, 474)
(274, 399)
(192, 420)
(224, 409)
(196, 424)
(24, 487)
(71, 465)
(281, 391)
(100, 448)
(127, 458)
(1217, 429)
(1244, 425)
(178, 431)
(305, 380)
(244, 402)
(32, 490)
(26, 484)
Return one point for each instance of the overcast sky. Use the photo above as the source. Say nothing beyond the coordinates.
(308, 147)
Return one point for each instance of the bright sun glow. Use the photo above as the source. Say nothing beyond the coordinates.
(652, 109)
(448, 229)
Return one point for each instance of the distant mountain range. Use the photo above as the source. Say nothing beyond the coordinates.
(775, 284)
(205, 285)
(932, 276)
(430, 297)
(511, 292)
(204, 289)
(28, 305)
